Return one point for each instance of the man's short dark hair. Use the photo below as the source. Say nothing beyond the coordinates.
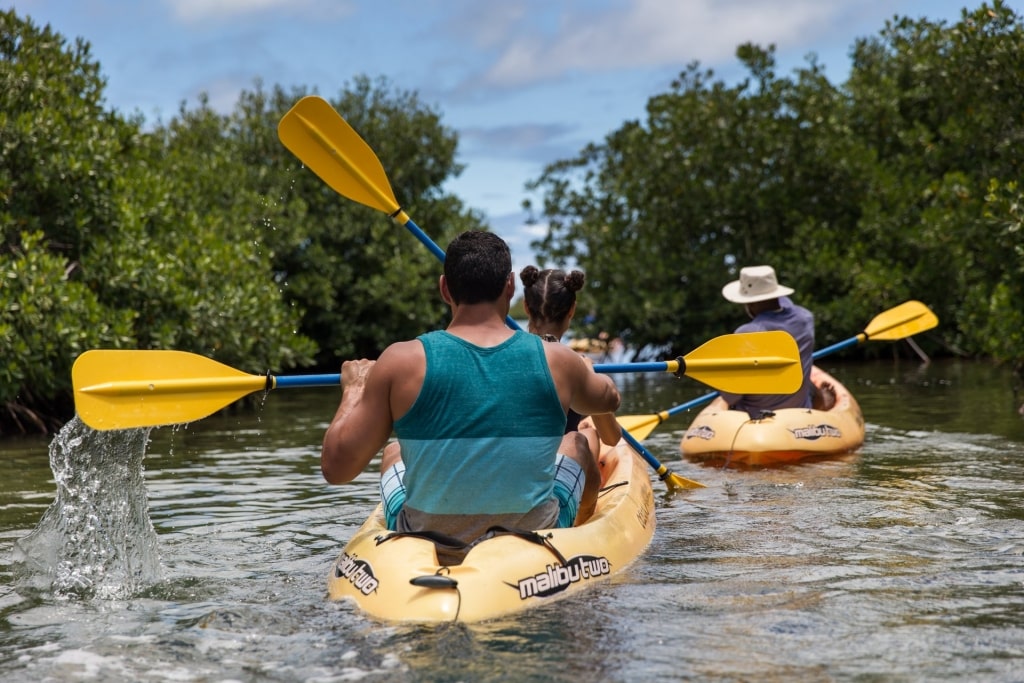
(476, 267)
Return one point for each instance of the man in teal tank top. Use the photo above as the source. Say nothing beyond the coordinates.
(479, 411)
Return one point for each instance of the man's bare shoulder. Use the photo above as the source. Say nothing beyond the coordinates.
(402, 347)
(401, 354)
(402, 367)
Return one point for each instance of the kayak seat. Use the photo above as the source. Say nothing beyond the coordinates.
(451, 550)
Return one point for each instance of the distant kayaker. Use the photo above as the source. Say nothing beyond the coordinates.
(549, 297)
(479, 411)
(769, 307)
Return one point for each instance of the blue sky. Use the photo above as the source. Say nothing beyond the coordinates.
(524, 82)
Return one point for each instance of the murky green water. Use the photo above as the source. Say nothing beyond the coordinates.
(903, 562)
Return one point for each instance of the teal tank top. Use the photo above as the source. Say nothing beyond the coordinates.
(482, 435)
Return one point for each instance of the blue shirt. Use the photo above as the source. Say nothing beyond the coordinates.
(798, 322)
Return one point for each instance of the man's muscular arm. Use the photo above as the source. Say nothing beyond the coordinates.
(362, 423)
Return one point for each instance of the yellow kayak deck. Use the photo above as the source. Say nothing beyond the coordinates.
(726, 436)
(398, 577)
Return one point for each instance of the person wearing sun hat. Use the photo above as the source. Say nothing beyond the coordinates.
(768, 304)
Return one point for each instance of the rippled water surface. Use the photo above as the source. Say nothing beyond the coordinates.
(204, 558)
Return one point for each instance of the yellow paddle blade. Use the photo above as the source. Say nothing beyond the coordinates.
(324, 142)
(640, 426)
(674, 481)
(123, 389)
(748, 363)
(901, 322)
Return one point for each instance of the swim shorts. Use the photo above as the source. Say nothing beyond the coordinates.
(568, 490)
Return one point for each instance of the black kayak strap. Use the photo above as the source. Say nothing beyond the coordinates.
(452, 543)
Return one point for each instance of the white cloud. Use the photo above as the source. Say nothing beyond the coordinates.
(223, 93)
(195, 11)
(653, 33)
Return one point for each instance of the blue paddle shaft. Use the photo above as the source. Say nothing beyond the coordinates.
(838, 346)
(644, 453)
(307, 381)
(612, 368)
(425, 239)
(289, 381)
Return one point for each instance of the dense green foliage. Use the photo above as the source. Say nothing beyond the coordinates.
(901, 184)
(201, 234)
(204, 234)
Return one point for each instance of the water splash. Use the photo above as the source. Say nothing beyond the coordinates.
(96, 538)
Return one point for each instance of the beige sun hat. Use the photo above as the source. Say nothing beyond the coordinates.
(756, 283)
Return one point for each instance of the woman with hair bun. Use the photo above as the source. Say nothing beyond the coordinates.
(549, 297)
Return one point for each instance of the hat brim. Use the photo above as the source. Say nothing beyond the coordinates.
(732, 293)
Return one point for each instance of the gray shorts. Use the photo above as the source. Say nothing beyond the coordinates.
(568, 490)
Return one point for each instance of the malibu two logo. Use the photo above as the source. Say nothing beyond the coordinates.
(815, 432)
(558, 578)
(357, 572)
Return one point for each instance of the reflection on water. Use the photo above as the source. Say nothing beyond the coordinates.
(904, 561)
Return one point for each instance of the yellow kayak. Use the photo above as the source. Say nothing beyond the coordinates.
(396, 577)
(726, 436)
